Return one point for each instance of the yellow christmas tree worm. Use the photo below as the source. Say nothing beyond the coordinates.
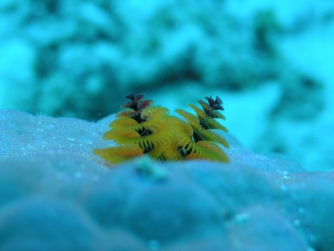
(145, 129)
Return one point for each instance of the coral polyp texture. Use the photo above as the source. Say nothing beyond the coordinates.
(145, 129)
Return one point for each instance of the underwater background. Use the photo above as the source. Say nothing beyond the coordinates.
(270, 62)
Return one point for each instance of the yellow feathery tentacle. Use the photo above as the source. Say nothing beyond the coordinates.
(127, 113)
(208, 121)
(119, 154)
(153, 112)
(210, 111)
(214, 124)
(125, 124)
(154, 117)
(200, 114)
(212, 136)
(201, 131)
(180, 129)
(192, 119)
(207, 150)
(172, 151)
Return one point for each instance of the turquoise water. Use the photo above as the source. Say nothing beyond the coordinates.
(270, 63)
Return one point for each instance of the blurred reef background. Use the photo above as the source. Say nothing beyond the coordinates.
(270, 62)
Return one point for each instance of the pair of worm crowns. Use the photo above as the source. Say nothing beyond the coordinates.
(141, 128)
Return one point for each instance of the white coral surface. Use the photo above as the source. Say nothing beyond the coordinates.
(55, 194)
